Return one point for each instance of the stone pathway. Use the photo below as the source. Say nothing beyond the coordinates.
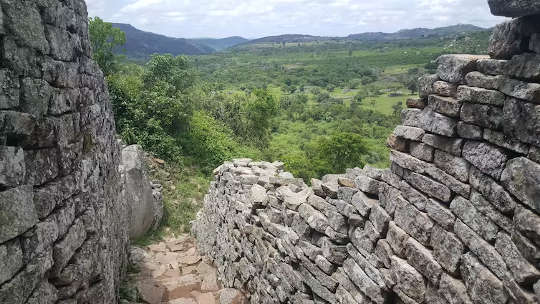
(173, 272)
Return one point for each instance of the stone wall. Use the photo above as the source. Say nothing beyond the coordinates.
(454, 220)
(63, 232)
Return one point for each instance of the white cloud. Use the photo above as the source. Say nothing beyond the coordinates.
(256, 18)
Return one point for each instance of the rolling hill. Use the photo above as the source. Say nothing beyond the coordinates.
(407, 34)
(140, 44)
(219, 44)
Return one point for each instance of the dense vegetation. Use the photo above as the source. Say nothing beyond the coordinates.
(320, 107)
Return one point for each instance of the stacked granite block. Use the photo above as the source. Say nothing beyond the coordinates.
(63, 231)
(454, 220)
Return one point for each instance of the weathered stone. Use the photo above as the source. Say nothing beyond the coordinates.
(479, 95)
(415, 223)
(440, 214)
(522, 121)
(492, 191)
(422, 260)
(11, 260)
(522, 270)
(64, 250)
(524, 66)
(444, 88)
(509, 38)
(534, 154)
(522, 178)
(408, 162)
(482, 286)
(33, 91)
(367, 265)
(453, 68)
(421, 151)
(383, 251)
(469, 131)
(488, 158)
(534, 43)
(314, 218)
(482, 115)
(367, 184)
(293, 200)
(479, 80)
(146, 211)
(414, 196)
(487, 209)
(521, 90)
(504, 141)
(430, 121)
(408, 280)
(330, 189)
(380, 219)
(410, 133)
(16, 218)
(363, 204)
(425, 84)
(454, 291)
(396, 238)
(450, 145)
(26, 25)
(12, 166)
(449, 181)
(397, 143)
(365, 239)
(445, 105)
(418, 103)
(483, 250)
(528, 224)
(9, 89)
(430, 187)
(491, 66)
(258, 195)
(447, 249)
(230, 296)
(363, 282)
(316, 185)
(458, 167)
(346, 182)
(514, 8)
(466, 211)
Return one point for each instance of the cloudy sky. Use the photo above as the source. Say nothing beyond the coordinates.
(258, 18)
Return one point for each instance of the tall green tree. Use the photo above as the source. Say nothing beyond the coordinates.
(341, 150)
(104, 38)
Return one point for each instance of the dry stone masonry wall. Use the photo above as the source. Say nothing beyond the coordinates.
(63, 231)
(454, 220)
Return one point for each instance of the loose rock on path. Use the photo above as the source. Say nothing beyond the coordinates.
(173, 272)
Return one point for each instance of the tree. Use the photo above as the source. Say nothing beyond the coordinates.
(358, 98)
(341, 150)
(104, 39)
(412, 85)
(397, 107)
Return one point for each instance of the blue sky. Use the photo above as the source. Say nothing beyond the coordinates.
(258, 18)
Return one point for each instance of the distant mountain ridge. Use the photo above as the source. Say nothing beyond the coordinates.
(141, 44)
(417, 33)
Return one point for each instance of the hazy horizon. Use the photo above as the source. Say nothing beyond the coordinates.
(255, 18)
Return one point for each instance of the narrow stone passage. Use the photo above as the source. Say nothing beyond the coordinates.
(173, 272)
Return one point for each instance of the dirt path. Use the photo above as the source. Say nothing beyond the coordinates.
(173, 272)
